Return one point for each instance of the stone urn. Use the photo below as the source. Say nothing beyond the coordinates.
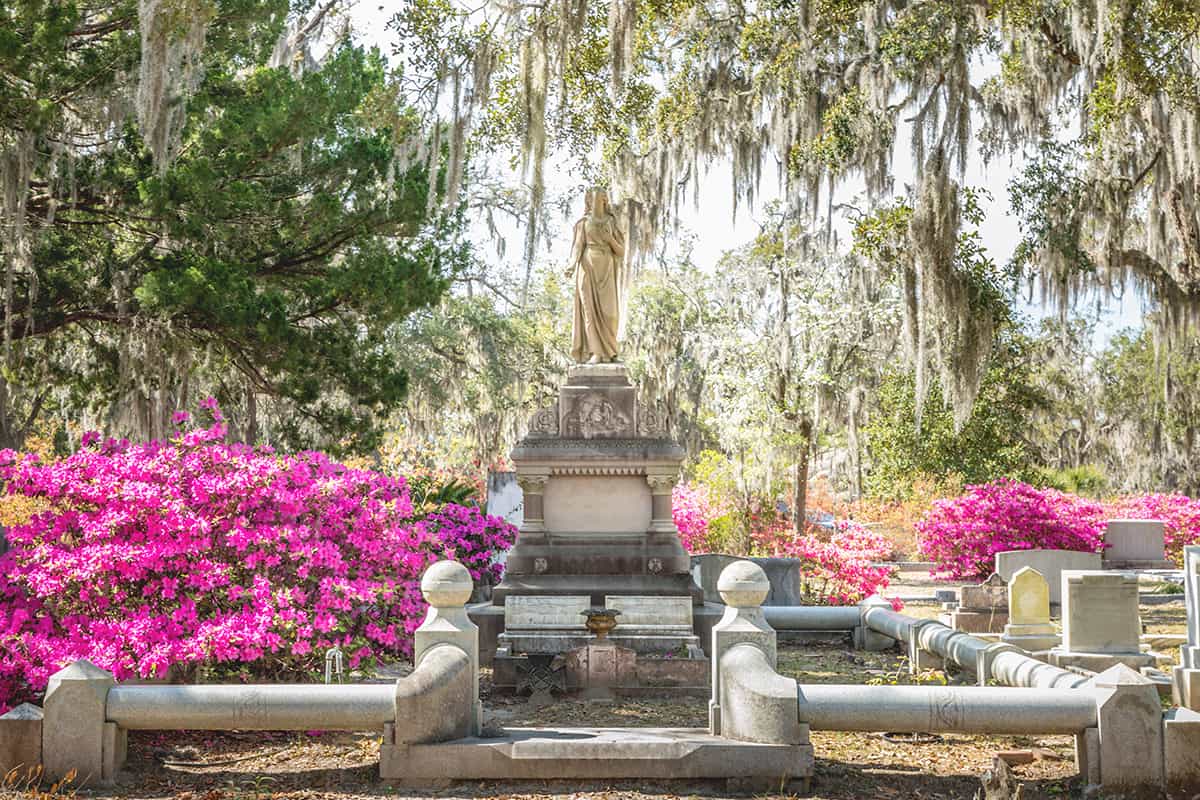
(600, 621)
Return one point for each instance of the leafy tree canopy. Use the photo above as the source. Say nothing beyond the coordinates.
(234, 220)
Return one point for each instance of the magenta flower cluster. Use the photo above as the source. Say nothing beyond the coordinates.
(835, 569)
(839, 571)
(195, 551)
(692, 507)
(962, 535)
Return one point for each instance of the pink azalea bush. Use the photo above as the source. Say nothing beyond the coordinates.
(840, 571)
(962, 535)
(693, 507)
(1179, 513)
(195, 551)
(835, 571)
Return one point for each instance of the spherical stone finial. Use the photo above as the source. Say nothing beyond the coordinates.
(446, 583)
(743, 584)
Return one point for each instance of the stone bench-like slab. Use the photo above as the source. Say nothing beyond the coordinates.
(596, 753)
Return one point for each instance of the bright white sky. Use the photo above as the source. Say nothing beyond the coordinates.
(714, 231)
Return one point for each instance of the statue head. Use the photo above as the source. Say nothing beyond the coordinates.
(595, 201)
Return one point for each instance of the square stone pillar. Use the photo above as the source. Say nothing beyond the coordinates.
(1131, 729)
(743, 586)
(662, 484)
(1181, 748)
(1185, 684)
(446, 586)
(863, 637)
(73, 724)
(533, 490)
(919, 658)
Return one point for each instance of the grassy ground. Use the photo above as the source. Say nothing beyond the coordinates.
(343, 766)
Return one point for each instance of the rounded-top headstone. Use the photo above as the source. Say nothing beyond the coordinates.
(446, 583)
(743, 584)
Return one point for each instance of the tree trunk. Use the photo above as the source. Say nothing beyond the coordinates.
(251, 415)
(800, 504)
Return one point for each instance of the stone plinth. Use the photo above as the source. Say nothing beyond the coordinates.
(600, 754)
(554, 624)
(982, 608)
(1131, 729)
(1050, 563)
(1101, 626)
(597, 469)
(1029, 612)
(600, 668)
(21, 741)
(1181, 748)
(1135, 544)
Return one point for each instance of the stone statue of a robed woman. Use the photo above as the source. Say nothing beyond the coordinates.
(597, 253)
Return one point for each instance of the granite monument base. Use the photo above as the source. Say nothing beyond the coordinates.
(600, 754)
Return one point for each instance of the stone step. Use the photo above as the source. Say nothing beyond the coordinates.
(596, 753)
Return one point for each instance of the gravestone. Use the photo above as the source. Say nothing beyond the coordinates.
(1187, 675)
(783, 574)
(982, 608)
(1050, 563)
(1101, 626)
(1135, 544)
(1029, 612)
(21, 740)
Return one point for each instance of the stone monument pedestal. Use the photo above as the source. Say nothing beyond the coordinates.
(597, 469)
(982, 608)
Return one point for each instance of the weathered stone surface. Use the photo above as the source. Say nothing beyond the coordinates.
(784, 577)
(1087, 756)
(864, 637)
(597, 504)
(757, 703)
(992, 594)
(920, 659)
(1100, 612)
(1134, 542)
(742, 585)
(971, 621)
(597, 471)
(783, 574)
(1050, 563)
(1131, 729)
(447, 586)
(1028, 598)
(1029, 612)
(673, 614)
(1185, 687)
(1189, 654)
(73, 723)
(595, 753)
(1181, 745)
(436, 702)
(21, 739)
(545, 612)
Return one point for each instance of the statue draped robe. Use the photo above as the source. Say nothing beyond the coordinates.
(596, 253)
